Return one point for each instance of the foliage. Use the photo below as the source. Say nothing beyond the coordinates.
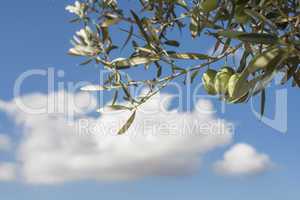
(267, 32)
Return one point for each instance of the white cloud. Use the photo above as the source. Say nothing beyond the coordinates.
(5, 143)
(159, 143)
(242, 159)
(7, 171)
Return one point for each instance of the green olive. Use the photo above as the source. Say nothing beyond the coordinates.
(221, 80)
(209, 5)
(232, 83)
(227, 69)
(208, 81)
(231, 87)
(238, 88)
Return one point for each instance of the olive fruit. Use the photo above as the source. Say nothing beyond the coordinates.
(227, 69)
(208, 80)
(232, 83)
(221, 80)
(238, 88)
(231, 87)
(209, 5)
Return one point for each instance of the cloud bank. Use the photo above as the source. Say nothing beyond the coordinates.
(7, 171)
(161, 142)
(5, 143)
(243, 159)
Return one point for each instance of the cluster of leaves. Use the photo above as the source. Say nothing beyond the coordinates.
(254, 27)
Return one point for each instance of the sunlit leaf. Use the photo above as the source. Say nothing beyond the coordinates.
(110, 22)
(190, 56)
(93, 88)
(125, 63)
(127, 125)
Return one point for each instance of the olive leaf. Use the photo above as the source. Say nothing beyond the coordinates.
(128, 37)
(126, 63)
(190, 56)
(268, 59)
(140, 26)
(115, 97)
(172, 43)
(194, 75)
(111, 108)
(261, 38)
(266, 34)
(93, 88)
(259, 16)
(118, 107)
(194, 26)
(110, 22)
(182, 3)
(127, 125)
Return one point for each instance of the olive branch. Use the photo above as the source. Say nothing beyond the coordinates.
(267, 32)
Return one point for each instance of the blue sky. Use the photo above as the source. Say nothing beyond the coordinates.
(36, 34)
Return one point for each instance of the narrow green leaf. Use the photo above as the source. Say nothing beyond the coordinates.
(243, 61)
(194, 27)
(226, 45)
(94, 88)
(159, 69)
(140, 26)
(122, 63)
(86, 62)
(105, 34)
(194, 75)
(110, 22)
(128, 37)
(91, 88)
(182, 3)
(126, 92)
(252, 13)
(261, 38)
(116, 94)
(190, 56)
(172, 43)
(266, 60)
(174, 68)
(127, 125)
(118, 107)
(151, 30)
